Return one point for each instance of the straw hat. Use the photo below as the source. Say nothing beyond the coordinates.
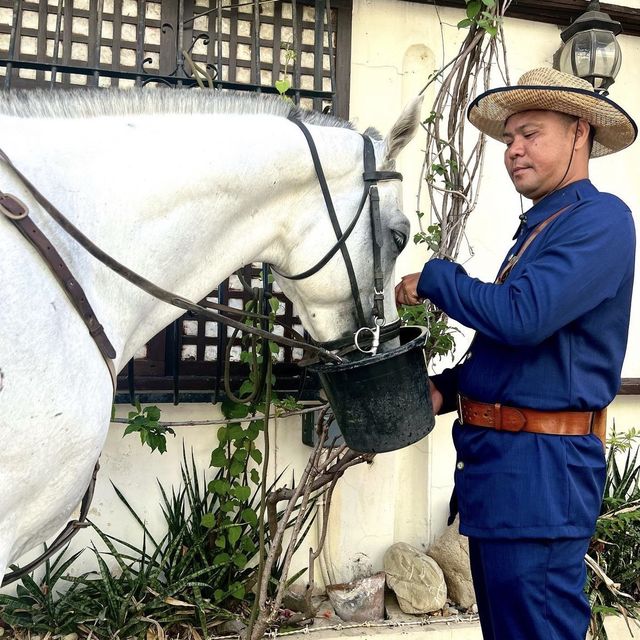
(550, 90)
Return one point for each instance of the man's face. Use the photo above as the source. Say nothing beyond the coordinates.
(539, 151)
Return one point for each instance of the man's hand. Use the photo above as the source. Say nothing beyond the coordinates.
(436, 398)
(407, 290)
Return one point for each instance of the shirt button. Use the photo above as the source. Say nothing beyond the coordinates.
(460, 466)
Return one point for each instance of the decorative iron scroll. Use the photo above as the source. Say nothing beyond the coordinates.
(241, 45)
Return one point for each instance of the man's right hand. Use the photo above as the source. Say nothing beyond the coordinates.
(436, 398)
(407, 290)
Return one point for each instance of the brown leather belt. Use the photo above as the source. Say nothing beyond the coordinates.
(503, 418)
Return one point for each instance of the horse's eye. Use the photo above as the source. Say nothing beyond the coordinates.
(400, 239)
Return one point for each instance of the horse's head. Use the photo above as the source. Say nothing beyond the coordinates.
(326, 299)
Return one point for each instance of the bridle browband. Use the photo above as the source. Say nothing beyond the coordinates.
(371, 176)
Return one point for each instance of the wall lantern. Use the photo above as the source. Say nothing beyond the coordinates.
(591, 50)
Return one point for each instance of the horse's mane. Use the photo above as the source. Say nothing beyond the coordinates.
(89, 103)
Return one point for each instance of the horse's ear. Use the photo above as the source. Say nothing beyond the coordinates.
(403, 130)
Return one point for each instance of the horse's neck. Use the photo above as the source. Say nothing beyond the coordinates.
(184, 215)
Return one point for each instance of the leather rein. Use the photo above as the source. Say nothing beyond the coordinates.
(18, 213)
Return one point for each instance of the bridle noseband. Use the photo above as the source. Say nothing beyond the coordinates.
(371, 176)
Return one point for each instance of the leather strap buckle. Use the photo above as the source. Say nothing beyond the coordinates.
(13, 207)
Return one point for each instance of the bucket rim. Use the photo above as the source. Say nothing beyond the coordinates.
(332, 367)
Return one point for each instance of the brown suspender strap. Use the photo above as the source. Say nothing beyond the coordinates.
(502, 276)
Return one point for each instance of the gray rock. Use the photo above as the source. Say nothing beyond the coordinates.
(360, 600)
(415, 578)
(451, 552)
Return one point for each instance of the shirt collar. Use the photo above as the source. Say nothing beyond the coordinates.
(579, 190)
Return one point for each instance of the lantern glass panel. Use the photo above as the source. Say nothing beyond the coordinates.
(593, 55)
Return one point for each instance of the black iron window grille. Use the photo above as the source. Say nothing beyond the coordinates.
(239, 44)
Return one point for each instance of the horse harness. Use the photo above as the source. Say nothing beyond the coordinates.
(17, 212)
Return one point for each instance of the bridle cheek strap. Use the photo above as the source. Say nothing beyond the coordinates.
(342, 238)
(370, 177)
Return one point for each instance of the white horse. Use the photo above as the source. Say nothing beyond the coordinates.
(183, 187)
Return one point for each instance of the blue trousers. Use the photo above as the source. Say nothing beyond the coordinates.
(530, 589)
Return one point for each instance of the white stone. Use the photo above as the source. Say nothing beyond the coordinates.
(451, 552)
(415, 578)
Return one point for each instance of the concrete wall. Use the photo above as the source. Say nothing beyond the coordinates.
(401, 496)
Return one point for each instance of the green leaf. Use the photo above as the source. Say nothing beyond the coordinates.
(282, 86)
(256, 455)
(235, 431)
(274, 303)
(243, 493)
(255, 476)
(240, 455)
(227, 506)
(222, 558)
(233, 534)
(236, 468)
(130, 429)
(473, 8)
(240, 560)
(248, 545)
(237, 591)
(220, 542)
(250, 517)
(246, 388)
(153, 413)
(492, 30)
(222, 435)
(219, 486)
(463, 24)
(246, 357)
(218, 457)
(208, 520)
(489, 3)
(234, 409)
(274, 347)
(218, 595)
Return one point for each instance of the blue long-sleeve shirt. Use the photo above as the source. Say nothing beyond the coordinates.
(551, 337)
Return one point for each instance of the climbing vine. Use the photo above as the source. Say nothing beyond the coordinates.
(453, 158)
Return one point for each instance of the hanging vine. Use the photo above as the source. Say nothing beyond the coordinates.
(452, 165)
(453, 158)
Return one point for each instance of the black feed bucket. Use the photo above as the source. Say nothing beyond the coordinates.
(382, 402)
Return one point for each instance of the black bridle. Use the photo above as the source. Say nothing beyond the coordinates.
(371, 176)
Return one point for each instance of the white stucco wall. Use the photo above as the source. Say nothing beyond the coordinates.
(401, 496)
(395, 47)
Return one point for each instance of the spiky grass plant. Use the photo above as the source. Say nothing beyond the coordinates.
(614, 554)
(182, 584)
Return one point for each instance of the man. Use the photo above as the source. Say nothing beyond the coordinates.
(551, 333)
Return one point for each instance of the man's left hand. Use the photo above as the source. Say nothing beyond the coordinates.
(407, 290)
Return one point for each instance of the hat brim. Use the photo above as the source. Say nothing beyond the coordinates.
(614, 128)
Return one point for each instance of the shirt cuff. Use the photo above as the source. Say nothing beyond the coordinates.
(432, 274)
